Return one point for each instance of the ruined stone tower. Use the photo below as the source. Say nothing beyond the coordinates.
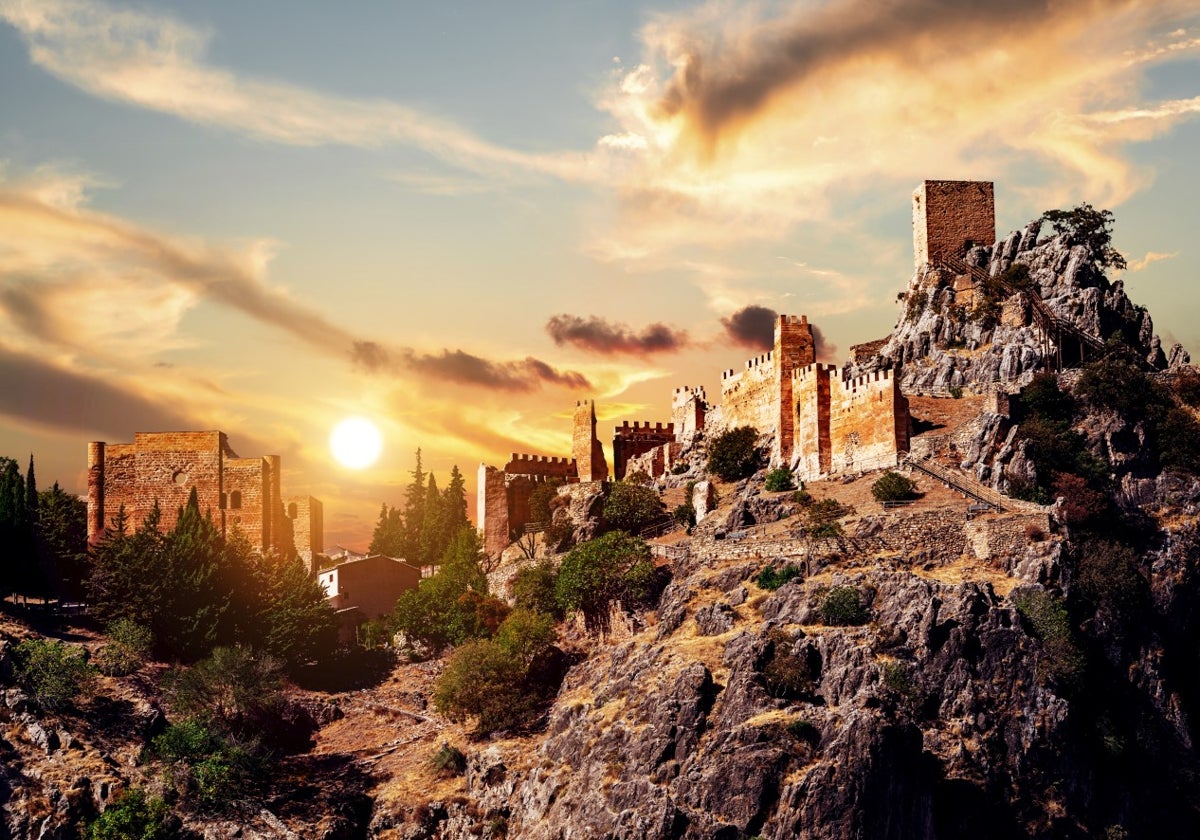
(949, 216)
(585, 446)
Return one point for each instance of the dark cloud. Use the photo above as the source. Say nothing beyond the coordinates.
(752, 327)
(597, 335)
(726, 80)
(825, 350)
(44, 395)
(465, 368)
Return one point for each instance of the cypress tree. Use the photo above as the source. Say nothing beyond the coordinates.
(414, 511)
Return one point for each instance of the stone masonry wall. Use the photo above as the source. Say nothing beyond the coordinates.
(246, 498)
(868, 422)
(308, 526)
(585, 446)
(689, 407)
(811, 454)
(749, 396)
(491, 509)
(949, 214)
(794, 349)
(632, 440)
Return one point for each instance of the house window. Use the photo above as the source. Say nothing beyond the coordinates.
(235, 499)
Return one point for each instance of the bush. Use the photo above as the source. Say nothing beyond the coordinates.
(639, 477)
(544, 493)
(449, 760)
(206, 767)
(526, 634)
(802, 497)
(685, 515)
(897, 679)
(1061, 659)
(843, 606)
(532, 588)
(821, 518)
(785, 674)
(128, 648)
(732, 455)
(631, 507)
(1108, 579)
(956, 392)
(54, 673)
(134, 816)
(616, 568)
(804, 730)
(893, 487)
(771, 579)
(916, 303)
(485, 681)
(779, 480)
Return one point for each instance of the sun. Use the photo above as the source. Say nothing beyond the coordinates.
(356, 442)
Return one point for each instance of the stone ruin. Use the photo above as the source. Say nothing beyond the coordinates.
(163, 467)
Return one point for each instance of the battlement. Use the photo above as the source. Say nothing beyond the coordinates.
(627, 429)
(687, 392)
(793, 320)
(803, 374)
(883, 377)
(540, 465)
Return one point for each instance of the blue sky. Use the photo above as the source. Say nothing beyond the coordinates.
(265, 217)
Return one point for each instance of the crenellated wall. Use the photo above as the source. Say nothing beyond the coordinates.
(632, 440)
(542, 466)
(689, 407)
(585, 446)
(847, 425)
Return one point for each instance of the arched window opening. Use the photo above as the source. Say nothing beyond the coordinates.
(235, 500)
(292, 511)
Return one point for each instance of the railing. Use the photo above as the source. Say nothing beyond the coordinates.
(981, 494)
(536, 527)
(657, 529)
(1049, 323)
(679, 551)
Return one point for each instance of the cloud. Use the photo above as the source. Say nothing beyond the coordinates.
(1149, 258)
(158, 62)
(742, 121)
(597, 335)
(824, 349)
(42, 394)
(77, 279)
(752, 327)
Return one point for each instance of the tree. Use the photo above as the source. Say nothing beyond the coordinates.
(533, 588)
(15, 536)
(1085, 225)
(631, 507)
(388, 537)
(843, 605)
(62, 528)
(615, 568)
(54, 673)
(779, 480)
(732, 455)
(289, 616)
(414, 510)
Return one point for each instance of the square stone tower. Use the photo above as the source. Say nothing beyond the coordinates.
(585, 446)
(949, 216)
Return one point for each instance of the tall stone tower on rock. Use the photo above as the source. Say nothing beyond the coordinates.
(585, 446)
(948, 216)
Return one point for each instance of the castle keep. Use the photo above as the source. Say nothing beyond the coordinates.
(163, 467)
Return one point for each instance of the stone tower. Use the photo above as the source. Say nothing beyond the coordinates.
(794, 349)
(585, 446)
(949, 216)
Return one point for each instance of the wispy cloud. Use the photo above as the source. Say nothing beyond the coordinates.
(72, 278)
(598, 335)
(1150, 258)
(745, 120)
(159, 62)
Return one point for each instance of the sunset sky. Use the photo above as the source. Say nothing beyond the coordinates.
(457, 219)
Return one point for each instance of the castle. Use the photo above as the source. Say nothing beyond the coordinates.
(163, 467)
(821, 422)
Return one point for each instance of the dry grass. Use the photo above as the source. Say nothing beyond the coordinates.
(970, 571)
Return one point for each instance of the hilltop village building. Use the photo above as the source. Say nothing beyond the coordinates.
(821, 422)
(163, 467)
(366, 587)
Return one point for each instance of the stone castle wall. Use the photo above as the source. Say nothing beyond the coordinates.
(633, 440)
(846, 425)
(585, 446)
(749, 396)
(947, 215)
(307, 516)
(163, 467)
(689, 407)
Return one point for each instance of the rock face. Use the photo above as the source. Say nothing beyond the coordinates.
(946, 337)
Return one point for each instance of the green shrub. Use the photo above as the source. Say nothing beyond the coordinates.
(732, 455)
(843, 605)
(449, 760)
(821, 518)
(543, 494)
(898, 680)
(526, 634)
(485, 681)
(1108, 579)
(893, 487)
(128, 648)
(207, 768)
(771, 578)
(916, 303)
(1061, 659)
(685, 515)
(631, 507)
(615, 568)
(802, 497)
(778, 480)
(785, 674)
(134, 816)
(956, 392)
(235, 691)
(533, 588)
(804, 730)
(54, 673)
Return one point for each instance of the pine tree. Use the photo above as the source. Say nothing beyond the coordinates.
(16, 543)
(456, 500)
(414, 511)
(196, 602)
(432, 529)
(389, 533)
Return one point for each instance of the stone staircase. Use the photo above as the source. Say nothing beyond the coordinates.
(956, 481)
